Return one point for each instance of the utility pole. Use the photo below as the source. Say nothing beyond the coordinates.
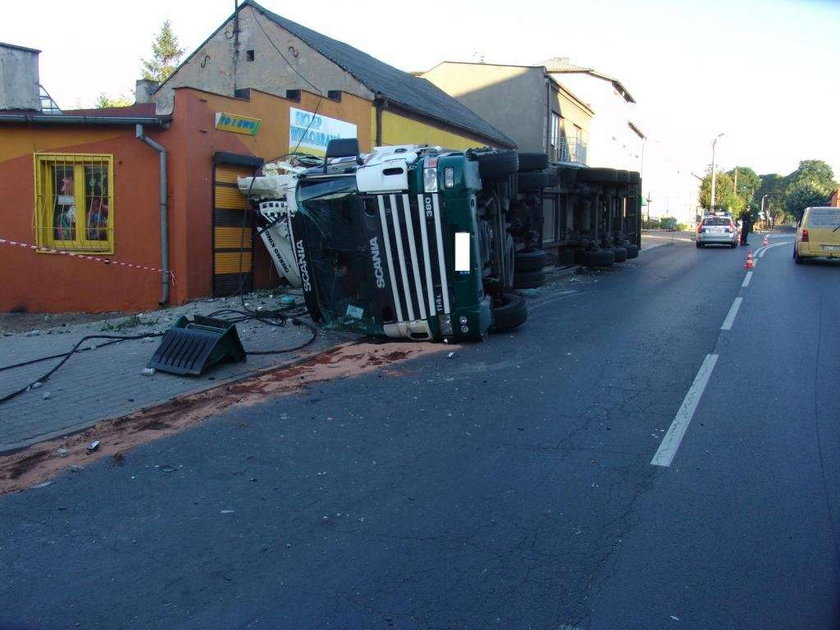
(736, 181)
(712, 204)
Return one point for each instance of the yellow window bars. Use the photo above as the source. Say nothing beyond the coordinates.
(74, 202)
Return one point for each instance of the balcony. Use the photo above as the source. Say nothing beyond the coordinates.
(568, 150)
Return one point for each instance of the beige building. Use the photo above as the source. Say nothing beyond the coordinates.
(523, 102)
(258, 49)
(616, 141)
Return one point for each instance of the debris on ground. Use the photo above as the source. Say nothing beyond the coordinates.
(38, 463)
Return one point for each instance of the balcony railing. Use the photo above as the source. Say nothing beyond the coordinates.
(569, 150)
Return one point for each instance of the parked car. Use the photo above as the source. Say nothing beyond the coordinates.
(817, 234)
(717, 231)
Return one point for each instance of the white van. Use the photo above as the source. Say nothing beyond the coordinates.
(818, 234)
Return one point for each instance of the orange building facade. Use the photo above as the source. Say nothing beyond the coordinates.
(81, 228)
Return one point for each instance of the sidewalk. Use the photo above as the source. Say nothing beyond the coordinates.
(108, 382)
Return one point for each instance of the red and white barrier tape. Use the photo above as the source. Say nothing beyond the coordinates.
(107, 261)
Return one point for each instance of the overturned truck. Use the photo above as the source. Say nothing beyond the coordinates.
(422, 243)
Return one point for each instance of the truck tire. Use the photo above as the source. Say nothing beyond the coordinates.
(528, 279)
(497, 164)
(533, 260)
(533, 161)
(599, 258)
(512, 312)
(632, 251)
(620, 254)
(533, 180)
(598, 175)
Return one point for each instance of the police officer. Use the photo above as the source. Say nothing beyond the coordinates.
(746, 225)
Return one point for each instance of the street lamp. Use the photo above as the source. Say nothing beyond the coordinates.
(714, 142)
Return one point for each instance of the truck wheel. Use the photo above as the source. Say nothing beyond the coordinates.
(599, 258)
(533, 180)
(533, 260)
(528, 279)
(512, 312)
(632, 251)
(598, 175)
(620, 254)
(497, 164)
(533, 161)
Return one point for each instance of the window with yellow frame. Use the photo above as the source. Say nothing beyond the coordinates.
(74, 202)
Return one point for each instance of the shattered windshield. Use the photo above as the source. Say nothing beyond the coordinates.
(337, 234)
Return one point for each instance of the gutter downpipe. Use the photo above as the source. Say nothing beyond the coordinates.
(164, 223)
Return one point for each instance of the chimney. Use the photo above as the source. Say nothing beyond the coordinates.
(19, 84)
(143, 90)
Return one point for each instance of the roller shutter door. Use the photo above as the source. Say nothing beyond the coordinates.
(233, 232)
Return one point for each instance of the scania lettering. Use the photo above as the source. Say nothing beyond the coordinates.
(377, 263)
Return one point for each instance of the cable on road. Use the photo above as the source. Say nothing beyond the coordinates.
(43, 379)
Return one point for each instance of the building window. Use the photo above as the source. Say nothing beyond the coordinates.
(74, 204)
(556, 140)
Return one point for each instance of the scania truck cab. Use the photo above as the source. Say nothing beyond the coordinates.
(407, 242)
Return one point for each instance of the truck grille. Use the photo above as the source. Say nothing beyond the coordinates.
(415, 261)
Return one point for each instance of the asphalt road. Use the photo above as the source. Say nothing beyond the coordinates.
(514, 485)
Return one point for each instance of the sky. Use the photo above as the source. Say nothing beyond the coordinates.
(765, 73)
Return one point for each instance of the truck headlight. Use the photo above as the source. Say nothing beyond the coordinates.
(449, 177)
(430, 183)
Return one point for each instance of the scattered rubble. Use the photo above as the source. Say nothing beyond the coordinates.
(41, 462)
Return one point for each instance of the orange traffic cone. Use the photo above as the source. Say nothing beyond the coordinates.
(766, 242)
(750, 263)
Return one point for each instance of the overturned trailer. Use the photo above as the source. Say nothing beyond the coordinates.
(422, 243)
(592, 216)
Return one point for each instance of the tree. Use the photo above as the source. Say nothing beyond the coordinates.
(725, 197)
(106, 100)
(809, 185)
(748, 183)
(772, 191)
(165, 55)
(803, 194)
(815, 172)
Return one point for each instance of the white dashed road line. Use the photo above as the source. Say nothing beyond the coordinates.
(671, 442)
(733, 311)
(747, 279)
